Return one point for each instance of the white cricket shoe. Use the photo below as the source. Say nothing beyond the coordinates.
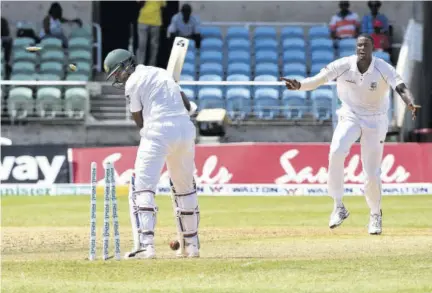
(192, 250)
(145, 252)
(375, 224)
(337, 217)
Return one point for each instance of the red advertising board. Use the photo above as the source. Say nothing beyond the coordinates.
(268, 163)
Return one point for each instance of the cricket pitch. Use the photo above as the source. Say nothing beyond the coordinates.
(248, 244)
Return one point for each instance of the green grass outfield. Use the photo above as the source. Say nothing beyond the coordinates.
(249, 244)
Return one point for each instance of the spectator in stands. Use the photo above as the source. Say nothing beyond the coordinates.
(52, 23)
(185, 24)
(381, 41)
(368, 20)
(6, 41)
(149, 23)
(344, 24)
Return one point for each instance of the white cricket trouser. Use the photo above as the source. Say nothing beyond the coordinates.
(372, 132)
(171, 141)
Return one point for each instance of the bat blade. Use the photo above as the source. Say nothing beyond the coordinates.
(177, 57)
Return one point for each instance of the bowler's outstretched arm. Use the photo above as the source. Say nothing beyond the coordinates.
(408, 98)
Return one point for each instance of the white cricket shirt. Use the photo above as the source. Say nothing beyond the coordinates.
(367, 93)
(154, 91)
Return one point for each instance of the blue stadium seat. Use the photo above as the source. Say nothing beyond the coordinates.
(22, 43)
(238, 103)
(264, 32)
(191, 46)
(295, 69)
(321, 45)
(190, 94)
(239, 68)
(239, 56)
(316, 32)
(237, 32)
(266, 44)
(211, 68)
(210, 98)
(294, 56)
(316, 68)
(294, 103)
(191, 88)
(239, 45)
(190, 57)
(347, 44)
(297, 77)
(267, 78)
(266, 56)
(346, 53)
(293, 44)
(322, 94)
(211, 45)
(211, 32)
(290, 32)
(322, 108)
(210, 77)
(322, 57)
(267, 69)
(211, 57)
(383, 55)
(266, 103)
(188, 69)
(238, 77)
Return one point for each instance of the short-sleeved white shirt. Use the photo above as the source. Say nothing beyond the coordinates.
(367, 93)
(154, 91)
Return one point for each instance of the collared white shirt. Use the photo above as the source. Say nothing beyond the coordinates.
(367, 93)
(154, 91)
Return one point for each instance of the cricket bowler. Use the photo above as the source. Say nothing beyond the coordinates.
(160, 109)
(362, 85)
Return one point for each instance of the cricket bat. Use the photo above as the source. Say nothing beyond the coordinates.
(177, 57)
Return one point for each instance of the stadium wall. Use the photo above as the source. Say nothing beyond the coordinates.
(128, 135)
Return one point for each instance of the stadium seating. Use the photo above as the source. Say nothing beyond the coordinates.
(48, 102)
(322, 108)
(52, 68)
(316, 68)
(191, 89)
(82, 32)
(22, 43)
(267, 69)
(322, 57)
(239, 57)
(76, 101)
(212, 45)
(294, 56)
(23, 67)
(266, 56)
(239, 68)
(292, 32)
(383, 55)
(20, 102)
(211, 68)
(210, 98)
(25, 56)
(238, 103)
(266, 44)
(188, 69)
(347, 44)
(239, 44)
(210, 77)
(294, 104)
(211, 32)
(295, 69)
(190, 94)
(53, 56)
(238, 77)
(264, 32)
(190, 57)
(266, 103)
(211, 57)
(80, 43)
(51, 44)
(346, 53)
(80, 56)
(293, 44)
(237, 32)
(321, 45)
(316, 32)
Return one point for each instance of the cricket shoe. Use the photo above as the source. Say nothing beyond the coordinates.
(191, 250)
(145, 252)
(375, 224)
(339, 214)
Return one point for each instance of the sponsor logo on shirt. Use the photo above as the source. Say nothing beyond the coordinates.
(350, 81)
(373, 86)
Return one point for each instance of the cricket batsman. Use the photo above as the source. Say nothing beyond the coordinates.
(362, 84)
(160, 110)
